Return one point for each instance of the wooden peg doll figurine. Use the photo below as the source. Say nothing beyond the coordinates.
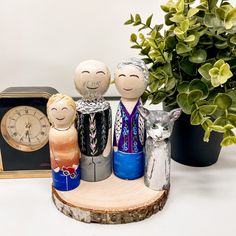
(131, 79)
(63, 142)
(94, 122)
(159, 125)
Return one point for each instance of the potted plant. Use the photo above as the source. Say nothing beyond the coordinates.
(193, 66)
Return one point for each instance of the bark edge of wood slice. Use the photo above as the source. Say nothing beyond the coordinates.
(111, 201)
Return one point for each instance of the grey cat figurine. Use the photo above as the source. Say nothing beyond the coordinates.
(159, 126)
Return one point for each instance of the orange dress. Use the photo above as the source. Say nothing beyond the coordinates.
(64, 149)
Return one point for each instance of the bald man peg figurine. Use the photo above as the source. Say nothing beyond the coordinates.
(94, 122)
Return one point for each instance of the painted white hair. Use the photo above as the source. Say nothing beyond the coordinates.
(139, 64)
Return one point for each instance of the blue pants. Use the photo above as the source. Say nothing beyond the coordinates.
(64, 181)
(128, 165)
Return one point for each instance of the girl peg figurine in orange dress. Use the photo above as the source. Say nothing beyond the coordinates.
(63, 142)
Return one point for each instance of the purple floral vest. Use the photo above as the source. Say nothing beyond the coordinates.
(129, 133)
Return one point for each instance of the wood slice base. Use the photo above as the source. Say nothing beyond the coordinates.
(111, 201)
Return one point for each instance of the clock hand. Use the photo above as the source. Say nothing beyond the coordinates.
(27, 134)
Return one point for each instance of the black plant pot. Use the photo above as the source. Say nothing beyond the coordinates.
(188, 147)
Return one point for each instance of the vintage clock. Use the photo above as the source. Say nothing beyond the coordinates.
(24, 132)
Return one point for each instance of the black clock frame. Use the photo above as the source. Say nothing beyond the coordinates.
(13, 160)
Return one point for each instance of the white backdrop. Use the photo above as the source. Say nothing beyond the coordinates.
(42, 41)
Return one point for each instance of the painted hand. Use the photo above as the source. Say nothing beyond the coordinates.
(56, 169)
(106, 151)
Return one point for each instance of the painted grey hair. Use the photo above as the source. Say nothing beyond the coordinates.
(139, 64)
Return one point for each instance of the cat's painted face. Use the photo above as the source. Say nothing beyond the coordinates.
(159, 124)
(159, 129)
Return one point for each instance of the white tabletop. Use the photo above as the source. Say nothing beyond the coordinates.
(202, 202)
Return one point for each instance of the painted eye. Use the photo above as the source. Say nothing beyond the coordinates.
(165, 128)
(154, 126)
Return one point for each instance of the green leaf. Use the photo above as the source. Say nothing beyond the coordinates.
(167, 19)
(183, 87)
(223, 101)
(154, 86)
(136, 46)
(211, 21)
(130, 21)
(149, 20)
(232, 94)
(182, 48)
(219, 63)
(232, 119)
(184, 25)
(214, 72)
(133, 38)
(221, 121)
(170, 42)
(192, 12)
(190, 38)
(199, 85)
(170, 84)
(165, 8)
(158, 97)
(194, 96)
(228, 141)
(188, 67)
(233, 40)
(137, 20)
(178, 31)
(142, 28)
(196, 40)
(182, 100)
(147, 60)
(180, 6)
(220, 73)
(204, 71)
(146, 50)
(196, 117)
(222, 45)
(225, 73)
(230, 19)
(177, 18)
(208, 109)
(220, 12)
(144, 97)
(198, 56)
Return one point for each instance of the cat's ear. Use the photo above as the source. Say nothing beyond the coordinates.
(144, 112)
(175, 114)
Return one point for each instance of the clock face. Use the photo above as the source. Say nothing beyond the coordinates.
(25, 128)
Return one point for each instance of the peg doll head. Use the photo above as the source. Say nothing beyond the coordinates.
(61, 110)
(92, 79)
(131, 78)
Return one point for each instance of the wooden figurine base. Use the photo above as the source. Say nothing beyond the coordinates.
(111, 201)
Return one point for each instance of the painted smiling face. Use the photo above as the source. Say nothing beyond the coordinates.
(61, 111)
(92, 79)
(129, 81)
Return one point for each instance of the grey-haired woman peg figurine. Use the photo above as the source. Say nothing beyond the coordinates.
(94, 122)
(131, 79)
(159, 125)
